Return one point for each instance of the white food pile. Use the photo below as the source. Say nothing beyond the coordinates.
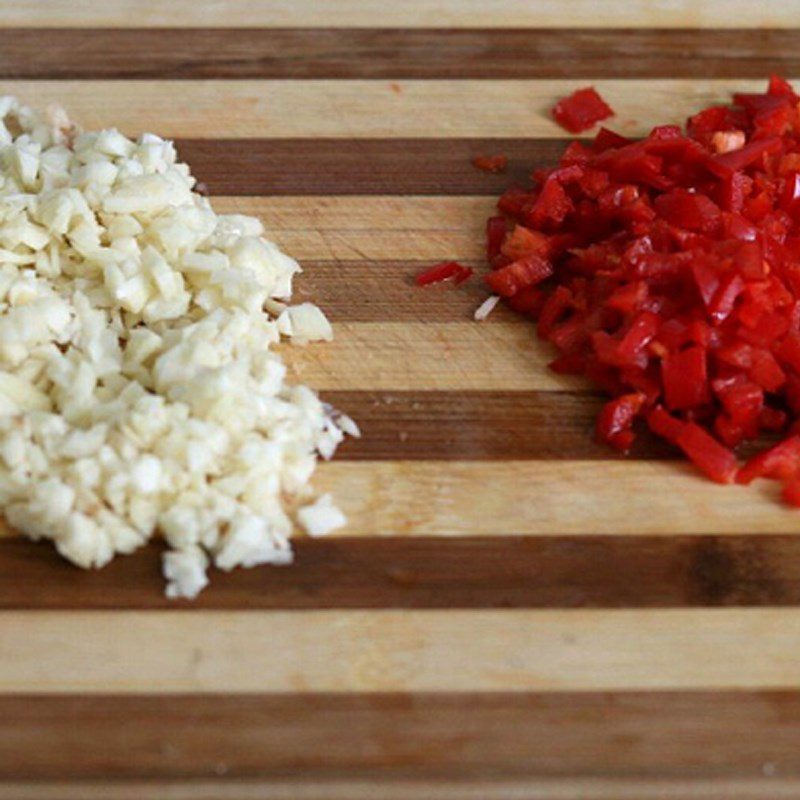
(138, 392)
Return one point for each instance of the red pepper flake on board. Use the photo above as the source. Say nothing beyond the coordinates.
(446, 271)
(494, 164)
(667, 271)
(581, 110)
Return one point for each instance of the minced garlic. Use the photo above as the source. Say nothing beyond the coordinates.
(138, 390)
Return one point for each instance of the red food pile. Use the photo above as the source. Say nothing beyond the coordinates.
(667, 270)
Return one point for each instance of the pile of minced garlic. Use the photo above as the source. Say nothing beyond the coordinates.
(138, 392)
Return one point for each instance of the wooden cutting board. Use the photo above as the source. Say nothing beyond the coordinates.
(513, 612)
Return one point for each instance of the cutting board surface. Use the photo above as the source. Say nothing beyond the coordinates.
(513, 610)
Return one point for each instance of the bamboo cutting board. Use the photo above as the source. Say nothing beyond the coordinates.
(513, 612)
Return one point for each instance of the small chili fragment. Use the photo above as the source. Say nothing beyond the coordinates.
(518, 275)
(726, 164)
(615, 421)
(581, 110)
(447, 270)
(781, 461)
(716, 460)
(495, 164)
(528, 301)
(495, 234)
(791, 492)
(464, 275)
(685, 379)
(664, 424)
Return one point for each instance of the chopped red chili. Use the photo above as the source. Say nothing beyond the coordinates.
(716, 460)
(664, 424)
(781, 461)
(497, 163)
(791, 492)
(446, 271)
(667, 271)
(615, 421)
(464, 274)
(512, 278)
(581, 110)
(495, 234)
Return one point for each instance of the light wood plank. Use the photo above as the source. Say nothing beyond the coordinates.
(386, 291)
(398, 651)
(541, 497)
(364, 108)
(765, 788)
(428, 356)
(355, 228)
(410, 13)
(413, 498)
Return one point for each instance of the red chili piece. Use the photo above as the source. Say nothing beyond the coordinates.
(497, 163)
(512, 278)
(447, 270)
(791, 492)
(615, 421)
(581, 110)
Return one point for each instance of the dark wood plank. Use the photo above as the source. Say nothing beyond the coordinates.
(650, 735)
(190, 53)
(487, 426)
(361, 166)
(438, 573)
(435, 787)
(480, 426)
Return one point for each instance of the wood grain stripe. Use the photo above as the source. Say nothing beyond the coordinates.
(384, 291)
(680, 736)
(489, 426)
(304, 652)
(438, 573)
(382, 229)
(475, 426)
(363, 166)
(237, 53)
(543, 498)
(348, 109)
(546, 497)
(434, 788)
(428, 356)
(411, 13)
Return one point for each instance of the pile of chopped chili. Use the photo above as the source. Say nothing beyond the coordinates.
(667, 271)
